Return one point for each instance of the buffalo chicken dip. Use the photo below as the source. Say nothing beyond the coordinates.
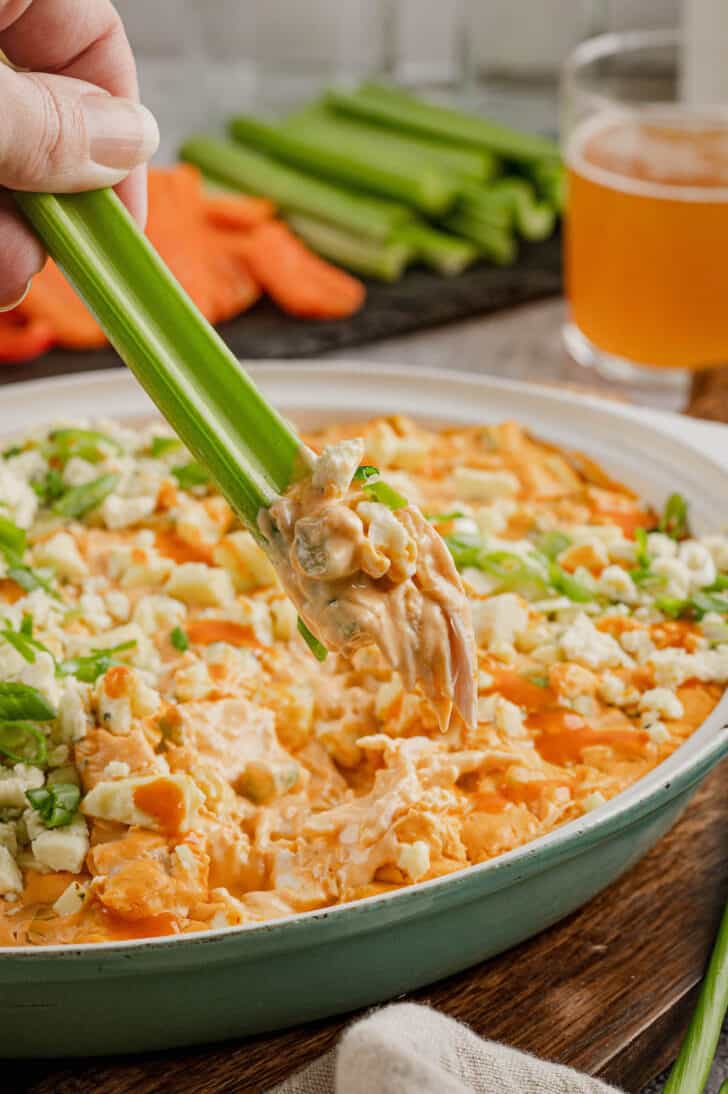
(173, 758)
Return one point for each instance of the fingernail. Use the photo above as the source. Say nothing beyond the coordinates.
(121, 133)
(19, 301)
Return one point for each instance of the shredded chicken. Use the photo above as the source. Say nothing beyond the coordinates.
(363, 573)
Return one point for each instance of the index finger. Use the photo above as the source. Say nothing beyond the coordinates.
(80, 38)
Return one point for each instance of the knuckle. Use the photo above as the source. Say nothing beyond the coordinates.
(52, 141)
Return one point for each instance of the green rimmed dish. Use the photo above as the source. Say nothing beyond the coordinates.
(133, 996)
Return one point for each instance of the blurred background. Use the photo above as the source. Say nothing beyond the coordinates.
(200, 62)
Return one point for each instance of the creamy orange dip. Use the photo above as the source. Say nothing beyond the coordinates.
(366, 568)
(172, 756)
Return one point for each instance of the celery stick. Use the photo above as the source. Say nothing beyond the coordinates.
(495, 243)
(383, 260)
(533, 219)
(511, 202)
(395, 108)
(478, 165)
(173, 351)
(293, 191)
(447, 254)
(692, 1067)
(549, 177)
(492, 206)
(425, 186)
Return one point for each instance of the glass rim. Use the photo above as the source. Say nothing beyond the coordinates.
(618, 42)
(624, 43)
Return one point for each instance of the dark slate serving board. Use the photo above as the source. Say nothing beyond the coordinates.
(421, 299)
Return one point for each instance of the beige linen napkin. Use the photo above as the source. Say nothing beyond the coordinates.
(409, 1049)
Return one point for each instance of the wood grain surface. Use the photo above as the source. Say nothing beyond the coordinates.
(607, 990)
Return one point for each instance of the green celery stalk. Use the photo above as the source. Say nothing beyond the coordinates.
(423, 185)
(533, 219)
(485, 203)
(402, 111)
(510, 201)
(549, 177)
(692, 1067)
(475, 164)
(173, 351)
(444, 253)
(293, 191)
(494, 242)
(383, 260)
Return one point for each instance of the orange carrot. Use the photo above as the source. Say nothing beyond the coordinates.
(52, 300)
(299, 281)
(21, 338)
(238, 211)
(221, 247)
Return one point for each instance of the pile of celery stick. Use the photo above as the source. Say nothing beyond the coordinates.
(376, 179)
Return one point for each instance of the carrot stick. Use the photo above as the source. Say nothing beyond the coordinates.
(51, 300)
(299, 281)
(22, 339)
(239, 211)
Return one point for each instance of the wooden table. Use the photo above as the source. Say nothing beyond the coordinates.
(608, 990)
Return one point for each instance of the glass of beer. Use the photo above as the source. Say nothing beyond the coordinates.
(646, 230)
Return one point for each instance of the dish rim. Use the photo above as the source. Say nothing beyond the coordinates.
(679, 772)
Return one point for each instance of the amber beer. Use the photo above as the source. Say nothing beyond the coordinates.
(647, 238)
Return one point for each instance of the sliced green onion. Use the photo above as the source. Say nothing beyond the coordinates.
(538, 680)
(384, 260)
(385, 494)
(674, 519)
(185, 367)
(376, 490)
(160, 446)
(56, 805)
(568, 585)
(366, 473)
(317, 648)
(551, 544)
(421, 184)
(466, 550)
(191, 474)
(179, 639)
(642, 553)
(692, 1067)
(50, 487)
(23, 743)
(29, 579)
(80, 500)
(393, 107)
(23, 642)
(74, 438)
(444, 518)
(12, 450)
(292, 190)
(703, 602)
(12, 538)
(720, 583)
(671, 606)
(647, 578)
(87, 669)
(21, 702)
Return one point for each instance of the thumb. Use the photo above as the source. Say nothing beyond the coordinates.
(61, 135)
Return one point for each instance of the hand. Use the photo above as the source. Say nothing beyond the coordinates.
(73, 122)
